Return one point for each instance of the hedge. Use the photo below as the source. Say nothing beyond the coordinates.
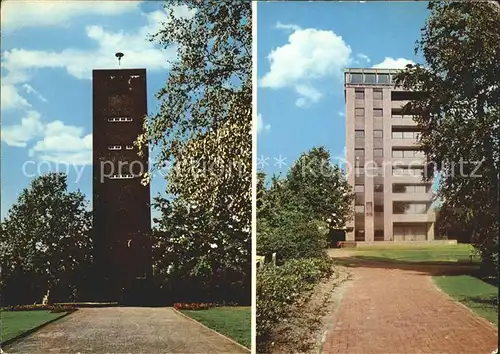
(280, 286)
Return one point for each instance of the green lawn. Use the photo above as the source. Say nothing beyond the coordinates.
(234, 322)
(16, 322)
(480, 297)
(434, 253)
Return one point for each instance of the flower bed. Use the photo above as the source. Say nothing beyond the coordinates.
(51, 308)
(193, 306)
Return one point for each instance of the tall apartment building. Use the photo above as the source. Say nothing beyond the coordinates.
(385, 167)
(121, 204)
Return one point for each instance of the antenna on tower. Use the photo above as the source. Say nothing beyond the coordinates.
(119, 55)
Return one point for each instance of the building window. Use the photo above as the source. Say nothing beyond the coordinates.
(377, 94)
(359, 188)
(359, 171)
(421, 189)
(359, 94)
(127, 176)
(370, 79)
(120, 119)
(359, 112)
(383, 78)
(129, 147)
(409, 208)
(369, 207)
(409, 153)
(114, 147)
(379, 208)
(405, 135)
(378, 133)
(397, 153)
(378, 152)
(408, 135)
(359, 209)
(356, 78)
(401, 171)
(419, 208)
(359, 152)
(378, 112)
(359, 133)
(378, 188)
(359, 235)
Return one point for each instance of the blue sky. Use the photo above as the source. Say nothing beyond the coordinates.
(48, 52)
(303, 48)
(49, 49)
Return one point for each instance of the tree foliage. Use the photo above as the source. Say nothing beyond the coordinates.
(211, 76)
(296, 212)
(313, 187)
(458, 112)
(45, 242)
(204, 128)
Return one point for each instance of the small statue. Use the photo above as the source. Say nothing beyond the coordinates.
(45, 300)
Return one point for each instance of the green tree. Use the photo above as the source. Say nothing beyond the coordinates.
(45, 242)
(204, 128)
(449, 223)
(458, 112)
(297, 211)
(211, 73)
(317, 188)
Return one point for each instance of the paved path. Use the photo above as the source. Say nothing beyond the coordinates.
(124, 330)
(399, 310)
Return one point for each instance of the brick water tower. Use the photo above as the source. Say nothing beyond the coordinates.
(121, 204)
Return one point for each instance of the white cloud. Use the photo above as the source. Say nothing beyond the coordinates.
(308, 92)
(310, 54)
(363, 57)
(11, 99)
(138, 50)
(59, 142)
(19, 134)
(29, 89)
(301, 102)
(287, 27)
(63, 143)
(390, 63)
(261, 127)
(18, 14)
(341, 113)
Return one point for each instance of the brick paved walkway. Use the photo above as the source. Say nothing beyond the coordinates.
(393, 311)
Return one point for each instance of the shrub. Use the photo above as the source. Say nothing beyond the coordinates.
(280, 286)
(294, 239)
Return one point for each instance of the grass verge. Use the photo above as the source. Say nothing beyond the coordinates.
(436, 253)
(14, 323)
(233, 322)
(480, 297)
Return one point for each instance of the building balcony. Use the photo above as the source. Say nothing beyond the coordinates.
(413, 218)
(402, 121)
(411, 197)
(408, 179)
(410, 143)
(398, 104)
(408, 161)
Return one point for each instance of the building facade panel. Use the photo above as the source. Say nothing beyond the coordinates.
(121, 204)
(383, 144)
